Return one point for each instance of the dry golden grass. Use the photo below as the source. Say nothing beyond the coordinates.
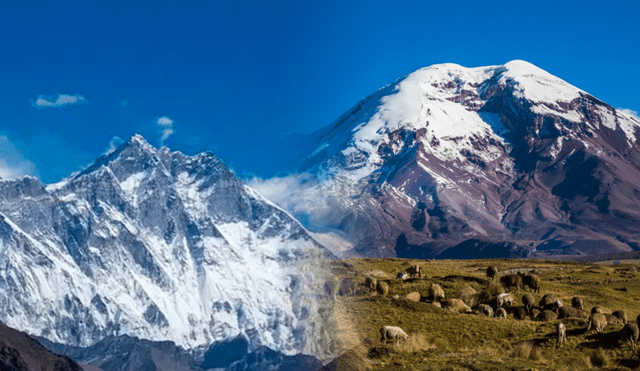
(441, 339)
(415, 343)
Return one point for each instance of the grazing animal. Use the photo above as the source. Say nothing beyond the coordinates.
(330, 289)
(528, 300)
(500, 313)
(598, 322)
(546, 316)
(531, 281)
(622, 315)
(436, 293)
(547, 301)
(557, 305)
(492, 272)
(414, 270)
(382, 288)
(392, 333)
(570, 312)
(613, 320)
(561, 330)
(519, 313)
(534, 313)
(485, 310)
(457, 305)
(402, 276)
(599, 309)
(347, 287)
(577, 302)
(629, 334)
(511, 280)
(370, 283)
(505, 299)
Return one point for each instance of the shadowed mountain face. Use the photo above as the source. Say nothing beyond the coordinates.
(125, 353)
(509, 157)
(20, 352)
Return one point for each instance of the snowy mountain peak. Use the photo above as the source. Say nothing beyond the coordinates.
(153, 244)
(450, 152)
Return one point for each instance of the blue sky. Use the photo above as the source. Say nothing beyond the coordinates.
(232, 77)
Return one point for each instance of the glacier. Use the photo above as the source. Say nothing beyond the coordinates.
(154, 244)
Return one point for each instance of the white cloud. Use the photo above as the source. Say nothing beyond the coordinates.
(166, 126)
(629, 112)
(58, 101)
(113, 145)
(12, 162)
(301, 195)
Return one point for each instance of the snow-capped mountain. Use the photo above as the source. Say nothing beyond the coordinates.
(157, 245)
(447, 154)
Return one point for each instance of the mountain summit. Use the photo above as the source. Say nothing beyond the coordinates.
(508, 159)
(157, 245)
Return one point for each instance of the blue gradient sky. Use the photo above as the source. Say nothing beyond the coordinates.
(231, 77)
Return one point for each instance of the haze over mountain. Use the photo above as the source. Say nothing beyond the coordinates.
(159, 246)
(448, 161)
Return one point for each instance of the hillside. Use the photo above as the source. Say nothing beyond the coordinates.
(444, 340)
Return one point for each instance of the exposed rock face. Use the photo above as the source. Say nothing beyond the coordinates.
(153, 244)
(20, 352)
(508, 158)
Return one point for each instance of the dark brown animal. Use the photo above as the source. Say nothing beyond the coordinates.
(492, 272)
(414, 270)
(519, 313)
(577, 302)
(531, 281)
(546, 316)
(511, 280)
(547, 301)
(382, 288)
(570, 312)
(622, 315)
(534, 313)
(528, 300)
(370, 283)
(629, 334)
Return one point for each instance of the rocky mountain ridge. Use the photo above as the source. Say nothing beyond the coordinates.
(501, 154)
(157, 245)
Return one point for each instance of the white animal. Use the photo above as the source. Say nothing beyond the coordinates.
(402, 276)
(561, 330)
(392, 333)
(505, 299)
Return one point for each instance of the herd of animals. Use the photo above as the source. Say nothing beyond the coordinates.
(549, 307)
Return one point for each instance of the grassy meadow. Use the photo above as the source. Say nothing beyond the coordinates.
(444, 340)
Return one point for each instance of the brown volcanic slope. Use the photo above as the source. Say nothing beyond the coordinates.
(20, 352)
(502, 161)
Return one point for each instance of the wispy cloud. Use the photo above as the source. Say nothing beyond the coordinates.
(629, 112)
(166, 127)
(58, 101)
(113, 145)
(13, 164)
(301, 195)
